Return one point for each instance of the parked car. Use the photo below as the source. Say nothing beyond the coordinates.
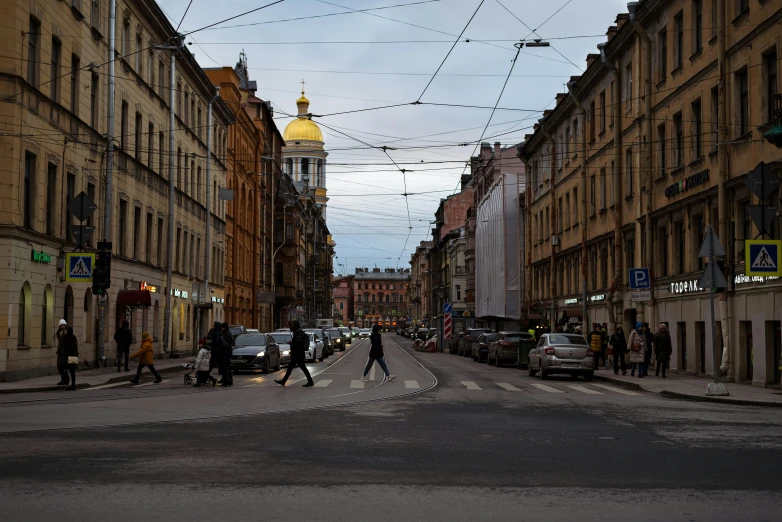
(432, 333)
(315, 350)
(355, 332)
(337, 338)
(365, 333)
(562, 353)
(464, 346)
(255, 351)
(480, 348)
(283, 340)
(251, 330)
(422, 334)
(347, 335)
(236, 330)
(328, 347)
(504, 349)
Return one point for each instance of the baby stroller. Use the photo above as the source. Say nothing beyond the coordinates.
(188, 376)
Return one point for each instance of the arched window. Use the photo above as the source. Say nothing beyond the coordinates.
(47, 316)
(24, 305)
(187, 324)
(67, 310)
(388, 298)
(155, 321)
(278, 273)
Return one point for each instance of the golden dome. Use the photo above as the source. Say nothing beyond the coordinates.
(302, 129)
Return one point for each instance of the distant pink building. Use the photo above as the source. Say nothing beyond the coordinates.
(342, 291)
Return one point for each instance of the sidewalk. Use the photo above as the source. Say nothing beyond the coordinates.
(87, 378)
(691, 387)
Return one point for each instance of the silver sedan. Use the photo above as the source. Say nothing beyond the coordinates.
(562, 353)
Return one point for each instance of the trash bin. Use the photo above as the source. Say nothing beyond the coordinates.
(525, 345)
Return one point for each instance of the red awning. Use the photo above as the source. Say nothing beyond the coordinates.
(135, 298)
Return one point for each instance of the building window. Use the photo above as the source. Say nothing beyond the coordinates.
(22, 330)
(662, 54)
(33, 52)
(123, 227)
(54, 70)
(697, 136)
(681, 249)
(602, 189)
(198, 123)
(592, 117)
(161, 77)
(177, 249)
(95, 13)
(68, 306)
(567, 210)
(661, 150)
(741, 6)
(678, 43)
(91, 218)
(613, 178)
(160, 241)
(628, 86)
(29, 186)
(51, 198)
(714, 23)
(161, 145)
(125, 39)
(566, 145)
(592, 196)
(94, 100)
(629, 173)
(770, 83)
(187, 109)
(70, 193)
(560, 222)
(602, 111)
(136, 232)
(678, 135)
(148, 239)
(75, 85)
(575, 206)
(715, 100)
(742, 101)
(179, 170)
(138, 137)
(123, 142)
(697, 25)
(138, 55)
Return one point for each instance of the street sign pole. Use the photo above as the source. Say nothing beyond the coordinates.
(713, 277)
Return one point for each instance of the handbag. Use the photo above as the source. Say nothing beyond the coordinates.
(610, 350)
(72, 359)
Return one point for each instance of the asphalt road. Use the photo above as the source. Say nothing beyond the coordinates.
(479, 443)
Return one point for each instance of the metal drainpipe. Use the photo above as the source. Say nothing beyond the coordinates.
(615, 187)
(527, 230)
(632, 7)
(574, 95)
(722, 194)
(552, 228)
(208, 195)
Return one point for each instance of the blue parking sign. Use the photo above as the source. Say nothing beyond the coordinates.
(639, 279)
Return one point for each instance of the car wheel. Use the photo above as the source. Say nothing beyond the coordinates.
(266, 366)
(589, 376)
(531, 371)
(573, 376)
(279, 364)
(321, 357)
(543, 373)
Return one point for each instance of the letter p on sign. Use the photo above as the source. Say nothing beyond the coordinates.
(639, 278)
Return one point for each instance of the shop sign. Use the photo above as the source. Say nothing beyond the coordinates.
(572, 301)
(41, 257)
(640, 296)
(598, 297)
(685, 287)
(741, 279)
(699, 178)
(149, 288)
(218, 300)
(180, 293)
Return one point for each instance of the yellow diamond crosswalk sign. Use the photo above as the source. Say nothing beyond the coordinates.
(79, 267)
(762, 257)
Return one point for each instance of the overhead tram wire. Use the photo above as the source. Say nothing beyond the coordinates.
(183, 17)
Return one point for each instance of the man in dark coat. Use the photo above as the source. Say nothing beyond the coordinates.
(217, 345)
(299, 345)
(124, 339)
(225, 356)
(649, 337)
(662, 349)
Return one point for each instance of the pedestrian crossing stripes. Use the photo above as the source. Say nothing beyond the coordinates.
(357, 384)
(149, 383)
(583, 389)
(507, 386)
(104, 386)
(615, 389)
(546, 388)
(471, 385)
(323, 383)
(412, 385)
(586, 389)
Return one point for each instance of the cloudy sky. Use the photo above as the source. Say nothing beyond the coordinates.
(387, 55)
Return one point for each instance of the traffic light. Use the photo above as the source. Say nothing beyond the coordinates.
(101, 273)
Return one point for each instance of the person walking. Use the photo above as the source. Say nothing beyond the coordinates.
(146, 357)
(226, 351)
(71, 347)
(124, 339)
(604, 336)
(216, 345)
(299, 345)
(202, 366)
(596, 344)
(637, 346)
(662, 349)
(376, 354)
(62, 357)
(619, 348)
(649, 338)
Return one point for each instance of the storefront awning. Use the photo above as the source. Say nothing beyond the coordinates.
(134, 298)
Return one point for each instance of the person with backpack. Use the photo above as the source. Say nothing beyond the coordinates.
(663, 348)
(202, 364)
(596, 344)
(376, 354)
(619, 349)
(123, 338)
(146, 357)
(299, 345)
(637, 346)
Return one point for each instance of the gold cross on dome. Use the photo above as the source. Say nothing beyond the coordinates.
(302, 86)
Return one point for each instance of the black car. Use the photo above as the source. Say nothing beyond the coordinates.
(464, 347)
(480, 348)
(236, 330)
(255, 351)
(335, 338)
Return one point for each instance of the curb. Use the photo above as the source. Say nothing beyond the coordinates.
(621, 383)
(740, 402)
(124, 377)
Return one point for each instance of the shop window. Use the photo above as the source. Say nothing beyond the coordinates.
(67, 310)
(88, 315)
(25, 301)
(681, 345)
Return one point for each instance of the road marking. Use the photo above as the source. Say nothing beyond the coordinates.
(546, 388)
(412, 385)
(323, 383)
(372, 372)
(507, 386)
(104, 386)
(357, 384)
(149, 383)
(583, 389)
(614, 389)
(471, 385)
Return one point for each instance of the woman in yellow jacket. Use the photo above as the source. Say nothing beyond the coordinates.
(146, 357)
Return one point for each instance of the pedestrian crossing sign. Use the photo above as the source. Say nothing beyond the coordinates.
(763, 257)
(79, 266)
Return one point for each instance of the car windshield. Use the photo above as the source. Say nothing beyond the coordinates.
(345, 330)
(281, 338)
(566, 339)
(251, 340)
(490, 336)
(235, 330)
(333, 333)
(514, 338)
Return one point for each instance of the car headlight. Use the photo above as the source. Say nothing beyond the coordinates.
(261, 354)
(286, 352)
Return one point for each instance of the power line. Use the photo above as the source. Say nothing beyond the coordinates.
(183, 17)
